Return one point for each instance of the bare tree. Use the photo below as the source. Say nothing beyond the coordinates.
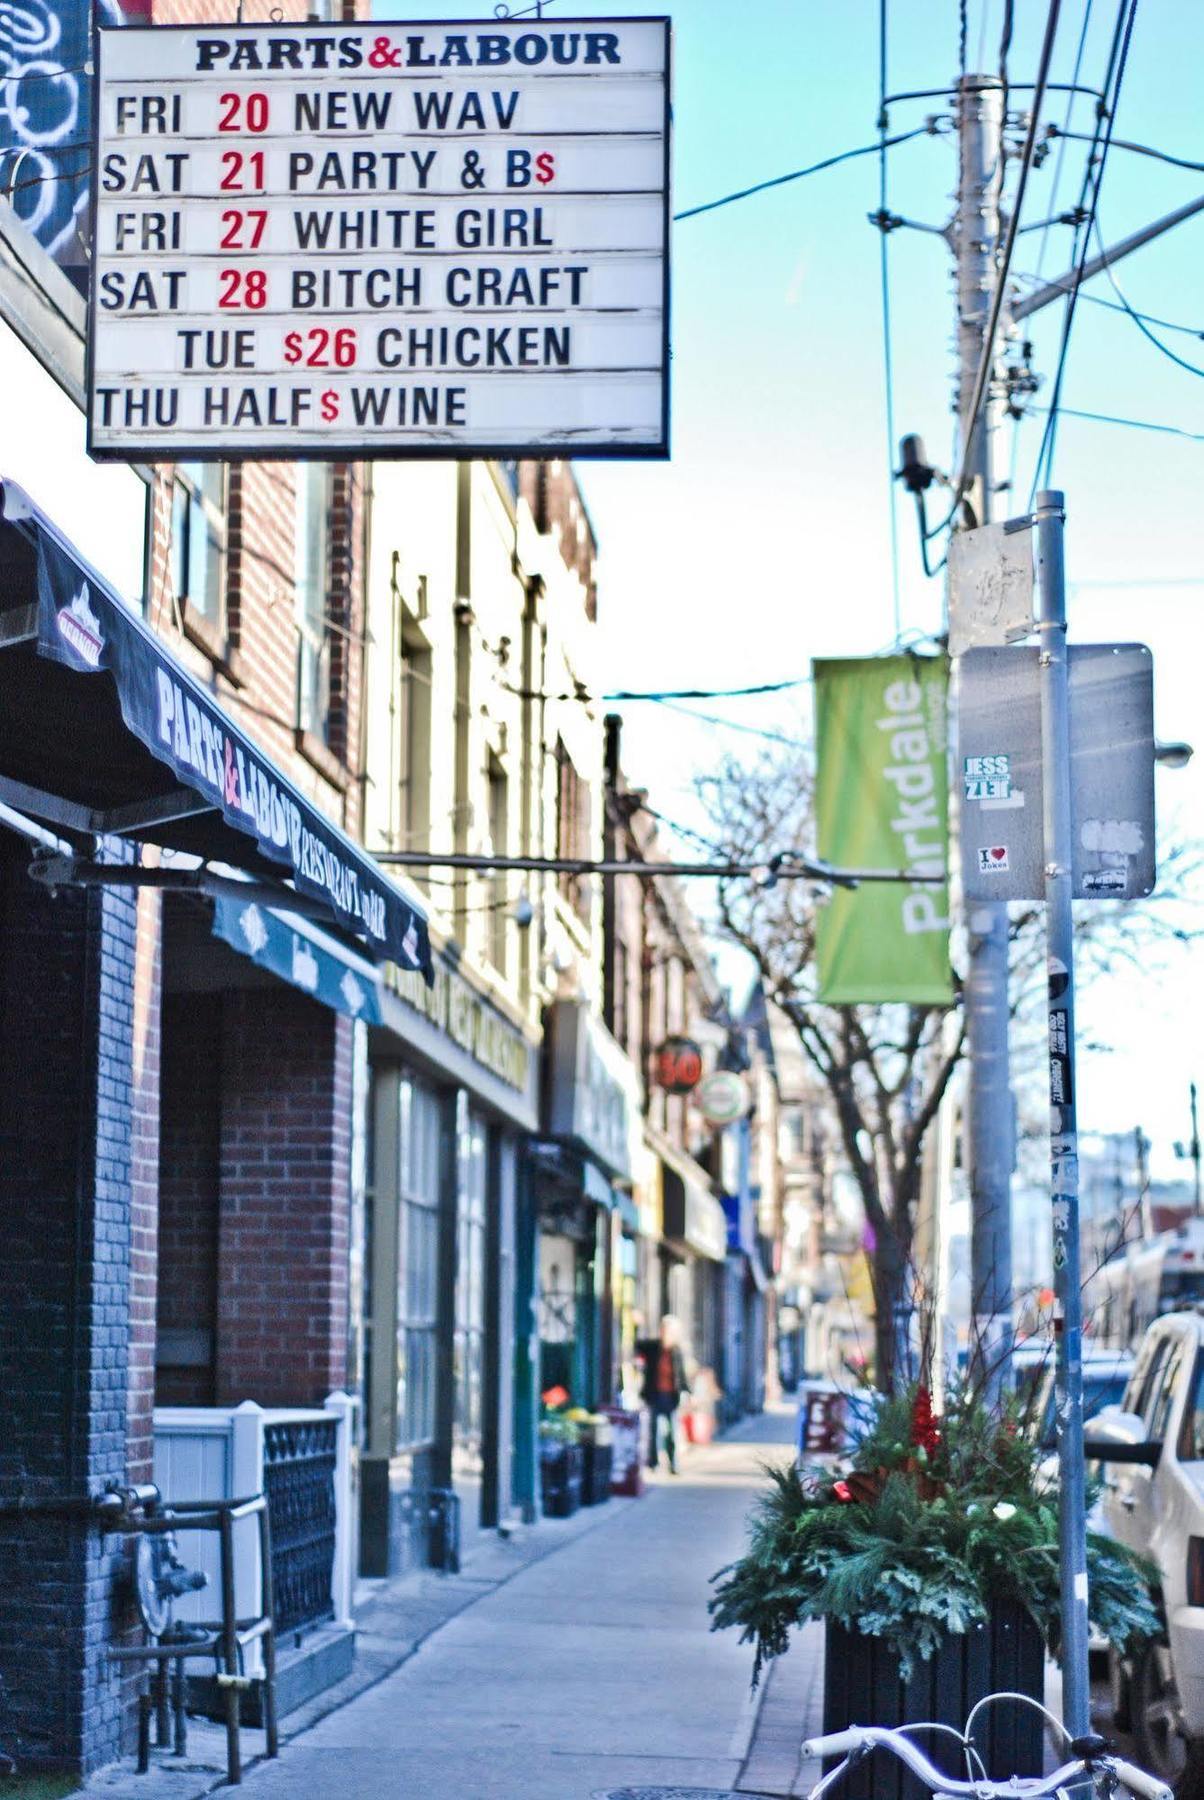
(886, 1067)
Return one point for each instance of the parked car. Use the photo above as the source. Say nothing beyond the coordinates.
(1152, 1448)
(1106, 1376)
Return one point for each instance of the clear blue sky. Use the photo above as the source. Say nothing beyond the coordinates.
(765, 540)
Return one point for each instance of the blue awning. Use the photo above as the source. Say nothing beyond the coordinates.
(103, 730)
(299, 953)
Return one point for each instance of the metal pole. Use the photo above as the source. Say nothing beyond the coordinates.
(1063, 1122)
(1195, 1149)
(977, 235)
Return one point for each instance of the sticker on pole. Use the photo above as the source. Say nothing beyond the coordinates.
(987, 777)
(993, 860)
(388, 239)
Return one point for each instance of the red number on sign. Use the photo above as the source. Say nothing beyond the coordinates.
(317, 347)
(234, 222)
(233, 161)
(249, 289)
(255, 107)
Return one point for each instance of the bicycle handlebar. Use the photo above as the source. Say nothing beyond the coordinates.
(1147, 1787)
(868, 1737)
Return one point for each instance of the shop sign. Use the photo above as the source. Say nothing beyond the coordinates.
(678, 1065)
(452, 1006)
(594, 1094)
(693, 1216)
(87, 630)
(723, 1097)
(386, 239)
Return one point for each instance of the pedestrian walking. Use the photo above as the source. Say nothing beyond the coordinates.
(664, 1384)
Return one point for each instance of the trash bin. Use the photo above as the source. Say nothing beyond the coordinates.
(595, 1479)
(560, 1472)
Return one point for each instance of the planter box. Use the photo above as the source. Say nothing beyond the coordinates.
(862, 1686)
(560, 1474)
(595, 1483)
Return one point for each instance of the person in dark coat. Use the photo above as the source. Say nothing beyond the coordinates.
(664, 1384)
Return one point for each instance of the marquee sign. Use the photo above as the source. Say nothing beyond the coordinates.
(381, 240)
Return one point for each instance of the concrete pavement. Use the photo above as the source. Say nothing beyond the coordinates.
(589, 1669)
(594, 1669)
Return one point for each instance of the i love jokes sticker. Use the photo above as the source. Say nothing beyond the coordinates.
(994, 860)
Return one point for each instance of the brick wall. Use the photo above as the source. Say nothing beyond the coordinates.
(67, 1004)
(285, 1183)
(551, 491)
(144, 1188)
(188, 1195)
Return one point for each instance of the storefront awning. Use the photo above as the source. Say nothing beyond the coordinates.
(103, 731)
(302, 955)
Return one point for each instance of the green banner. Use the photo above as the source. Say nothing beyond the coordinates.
(881, 801)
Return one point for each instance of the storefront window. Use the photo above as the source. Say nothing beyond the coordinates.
(470, 1270)
(418, 1264)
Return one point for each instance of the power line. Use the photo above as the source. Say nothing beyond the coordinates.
(1176, 162)
(1122, 35)
(773, 737)
(1062, 135)
(660, 696)
(1194, 331)
(1138, 320)
(829, 162)
(1071, 412)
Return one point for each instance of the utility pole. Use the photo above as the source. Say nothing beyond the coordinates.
(976, 238)
(1054, 665)
(1195, 1150)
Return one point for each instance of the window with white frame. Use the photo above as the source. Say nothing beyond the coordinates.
(469, 1341)
(418, 1264)
(198, 541)
(312, 574)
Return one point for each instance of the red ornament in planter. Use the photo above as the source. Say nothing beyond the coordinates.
(925, 1433)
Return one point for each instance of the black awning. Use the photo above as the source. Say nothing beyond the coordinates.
(145, 752)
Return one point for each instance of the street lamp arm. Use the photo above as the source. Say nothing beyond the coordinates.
(1053, 290)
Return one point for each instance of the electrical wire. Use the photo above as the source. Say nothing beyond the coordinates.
(829, 162)
(1126, 17)
(1137, 318)
(888, 375)
(761, 731)
(1005, 45)
(1071, 412)
(1150, 318)
(1062, 138)
(1176, 162)
(659, 696)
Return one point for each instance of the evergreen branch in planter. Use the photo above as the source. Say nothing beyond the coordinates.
(932, 1525)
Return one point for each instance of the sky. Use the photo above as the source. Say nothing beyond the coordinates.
(765, 540)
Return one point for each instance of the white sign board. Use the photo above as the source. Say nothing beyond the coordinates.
(381, 240)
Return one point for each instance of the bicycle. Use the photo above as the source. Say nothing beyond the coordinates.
(1090, 1756)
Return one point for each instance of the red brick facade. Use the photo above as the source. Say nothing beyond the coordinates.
(284, 1197)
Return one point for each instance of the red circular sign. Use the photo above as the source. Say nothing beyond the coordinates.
(678, 1065)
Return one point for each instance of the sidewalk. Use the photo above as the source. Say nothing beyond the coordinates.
(573, 1662)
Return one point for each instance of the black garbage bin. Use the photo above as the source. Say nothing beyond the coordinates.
(560, 1474)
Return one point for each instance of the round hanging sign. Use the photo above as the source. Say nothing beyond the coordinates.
(678, 1065)
(723, 1097)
